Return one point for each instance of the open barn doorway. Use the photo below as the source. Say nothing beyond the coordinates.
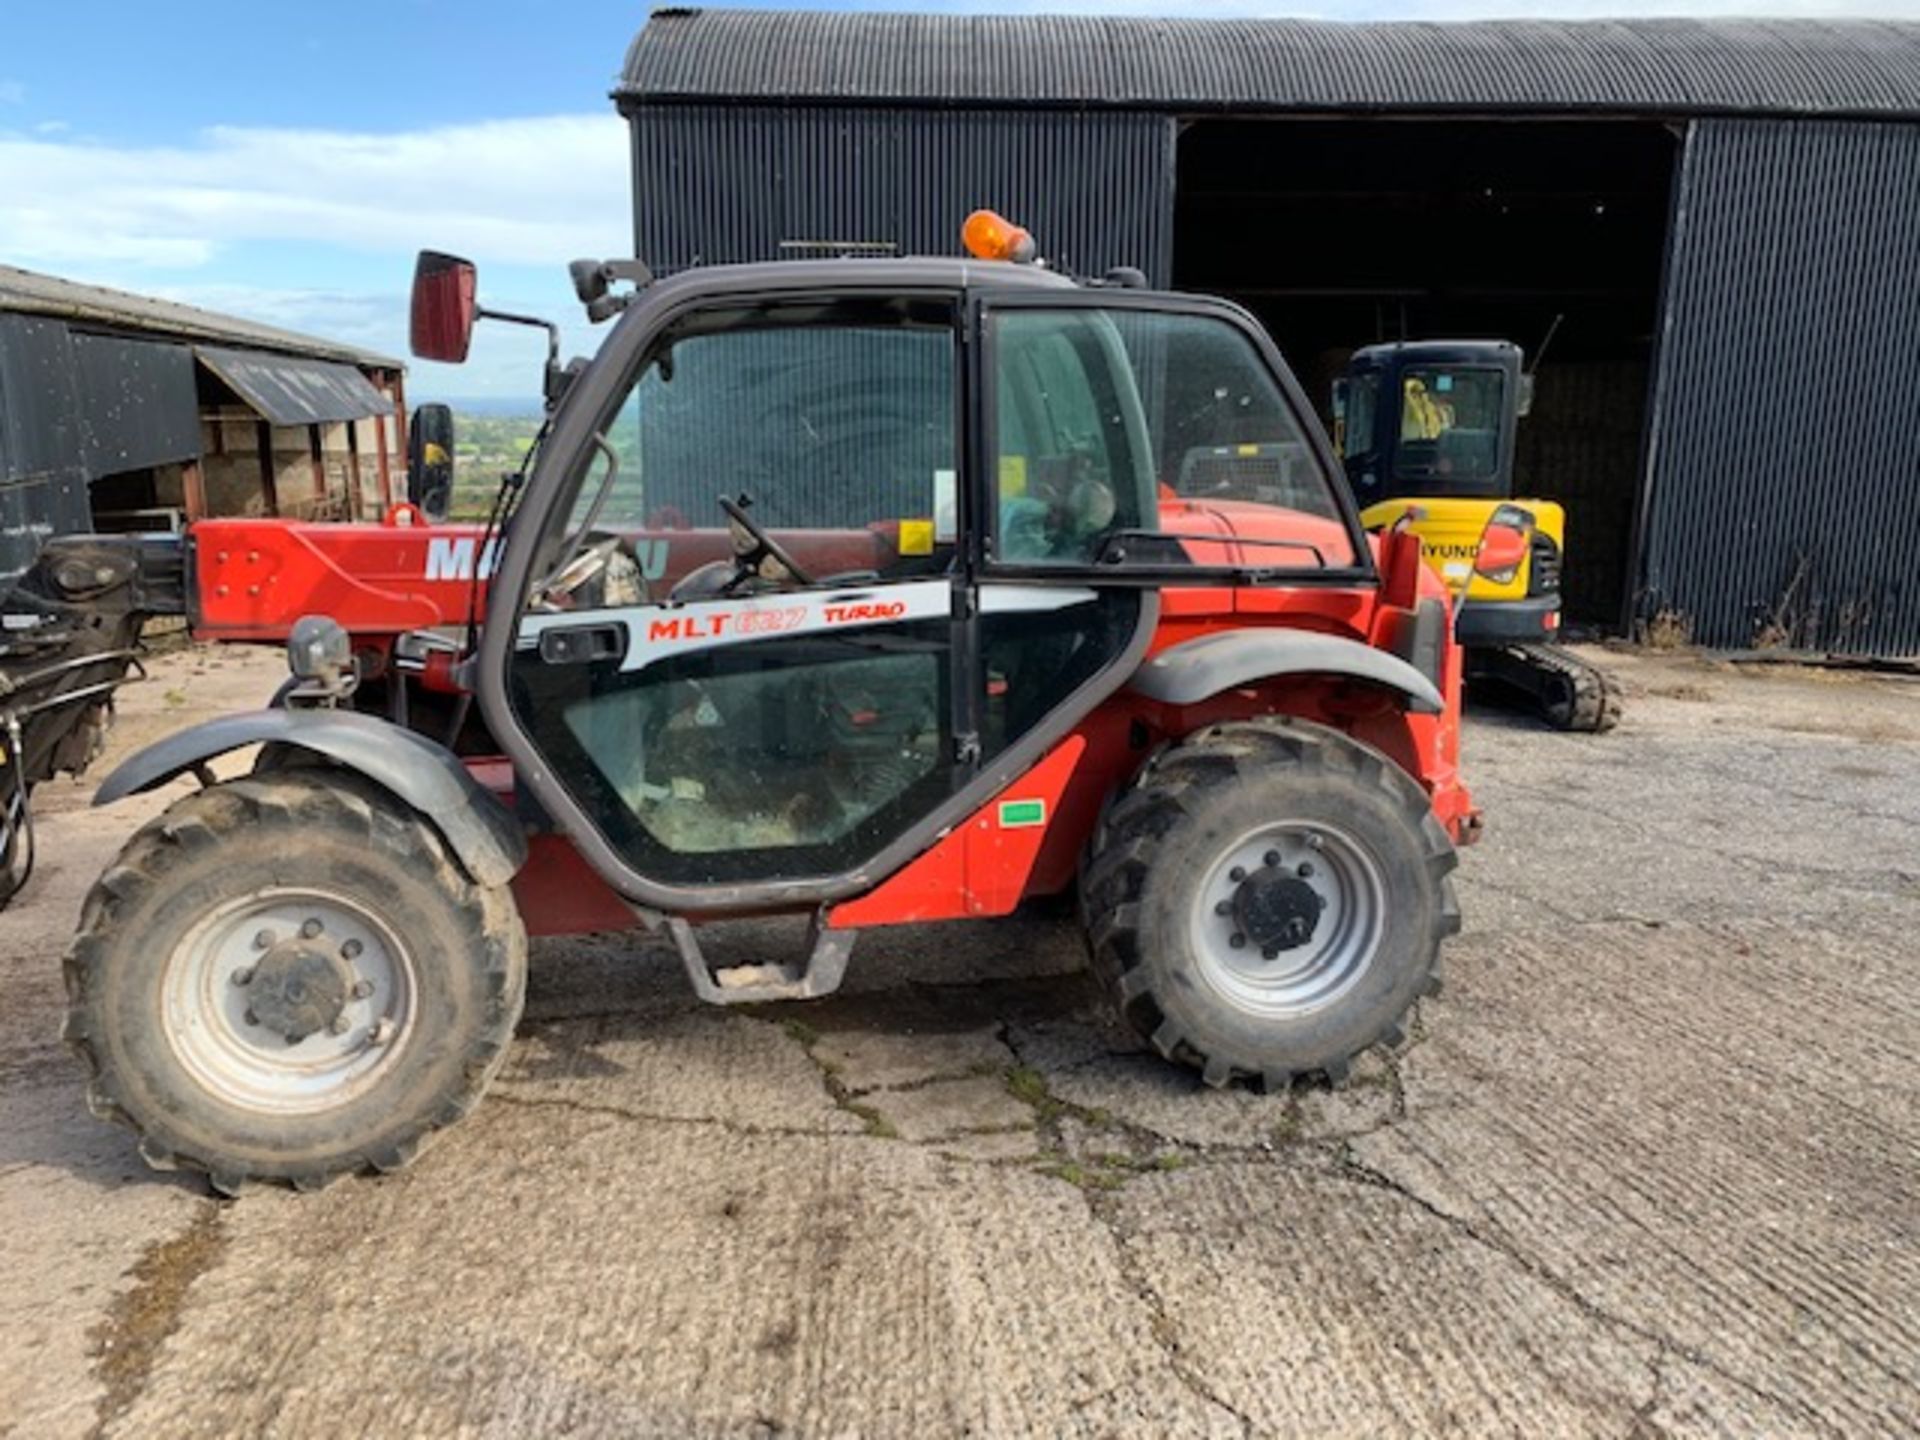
(1339, 233)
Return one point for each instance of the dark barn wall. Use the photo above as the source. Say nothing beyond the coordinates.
(43, 485)
(1784, 502)
(724, 183)
(75, 407)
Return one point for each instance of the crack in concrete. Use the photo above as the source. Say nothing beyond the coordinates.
(1100, 1202)
(873, 1122)
(1641, 1425)
(128, 1339)
(1160, 1325)
(1357, 1171)
(644, 1117)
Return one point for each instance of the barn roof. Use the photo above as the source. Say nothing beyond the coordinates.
(33, 293)
(1639, 66)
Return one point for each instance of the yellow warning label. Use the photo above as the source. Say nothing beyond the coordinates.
(1013, 475)
(916, 537)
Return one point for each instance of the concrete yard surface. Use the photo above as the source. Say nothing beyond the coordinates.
(1648, 1166)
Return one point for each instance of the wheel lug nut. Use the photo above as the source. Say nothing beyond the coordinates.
(264, 940)
(340, 1025)
(381, 1033)
(362, 989)
(1236, 940)
(295, 1039)
(1314, 842)
(1305, 872)
(243, 976)
(1270, 859)
(350, 950)
(311, 929)
(1223, 907)
(1237, 874)
(1272, 952)
(251, 1018)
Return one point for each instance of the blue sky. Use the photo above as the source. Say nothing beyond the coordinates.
(285, 160)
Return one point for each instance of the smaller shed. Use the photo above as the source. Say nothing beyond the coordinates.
(128, 412)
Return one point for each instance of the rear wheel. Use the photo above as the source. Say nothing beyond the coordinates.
(288, 977)
(1268, 899)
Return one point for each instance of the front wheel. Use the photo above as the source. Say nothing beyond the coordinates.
(1268, 899)
(289, 977)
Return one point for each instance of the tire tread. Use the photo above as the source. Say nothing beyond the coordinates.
(304, 798)
(1166, 791)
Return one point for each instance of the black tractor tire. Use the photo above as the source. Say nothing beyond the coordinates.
(1181, 819)
(153, 1015)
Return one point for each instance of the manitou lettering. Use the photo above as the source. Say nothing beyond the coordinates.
(449, 558)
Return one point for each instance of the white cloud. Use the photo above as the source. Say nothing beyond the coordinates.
(533, 190)
(51, 127)
(505, 361)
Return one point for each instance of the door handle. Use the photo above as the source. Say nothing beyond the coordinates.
(582, 644)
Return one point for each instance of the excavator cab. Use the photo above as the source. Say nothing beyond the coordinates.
(1426, 431)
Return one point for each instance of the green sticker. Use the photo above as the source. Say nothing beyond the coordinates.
(1022, 814)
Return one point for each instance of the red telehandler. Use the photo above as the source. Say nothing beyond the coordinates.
(878, 591)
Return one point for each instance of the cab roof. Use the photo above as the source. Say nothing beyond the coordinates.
(912, 272)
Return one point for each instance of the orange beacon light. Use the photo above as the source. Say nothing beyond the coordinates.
(988, 236)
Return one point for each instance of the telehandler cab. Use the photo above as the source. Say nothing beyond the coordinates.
(1006, 586)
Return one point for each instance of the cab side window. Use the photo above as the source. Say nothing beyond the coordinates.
(1067, 472)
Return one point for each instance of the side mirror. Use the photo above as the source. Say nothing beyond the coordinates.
(1523, 401)
(430, 460)
(444, 306)
(1503, 549)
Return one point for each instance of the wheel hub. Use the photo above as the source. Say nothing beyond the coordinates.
(1287, 917)
(1276, 910)
(299, 987)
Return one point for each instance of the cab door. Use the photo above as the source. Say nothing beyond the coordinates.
(717, 726)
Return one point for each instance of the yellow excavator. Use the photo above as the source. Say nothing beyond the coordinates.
(1426, 430)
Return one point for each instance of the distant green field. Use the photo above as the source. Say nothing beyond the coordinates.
(485, 447)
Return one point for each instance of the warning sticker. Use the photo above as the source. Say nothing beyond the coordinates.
(916, 537)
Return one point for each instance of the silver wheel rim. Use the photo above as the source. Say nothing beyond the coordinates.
(257, 953)
(1291, 977)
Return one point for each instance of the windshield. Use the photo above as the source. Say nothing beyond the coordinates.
(1450, 422)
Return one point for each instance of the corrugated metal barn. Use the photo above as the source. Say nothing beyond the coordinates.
(126, 412)
(1719, 222)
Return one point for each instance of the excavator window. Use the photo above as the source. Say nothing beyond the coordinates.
(1450, 423)
(1358, 403)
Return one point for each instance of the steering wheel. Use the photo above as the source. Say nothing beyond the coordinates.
(765, 547)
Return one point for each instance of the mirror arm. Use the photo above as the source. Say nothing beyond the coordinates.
(556, 384)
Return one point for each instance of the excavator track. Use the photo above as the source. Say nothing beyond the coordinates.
(1563, 689)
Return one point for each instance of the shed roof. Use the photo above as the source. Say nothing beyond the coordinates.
(1642, 66)
(30, 292)
(295, 390)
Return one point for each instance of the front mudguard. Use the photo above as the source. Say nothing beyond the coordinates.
(1199, 669)
(481, 831)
